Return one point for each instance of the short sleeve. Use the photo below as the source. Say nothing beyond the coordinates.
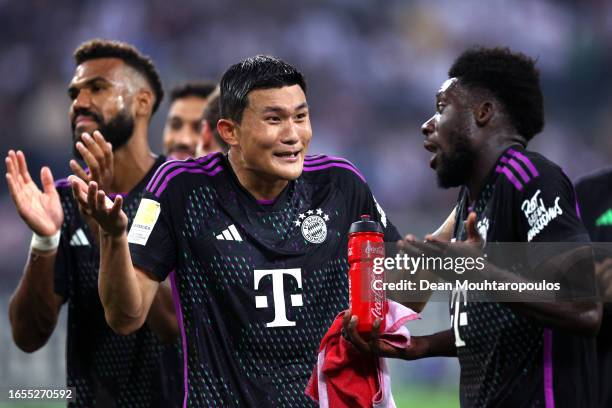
(364, 202)
(547, 213)
(152, 246)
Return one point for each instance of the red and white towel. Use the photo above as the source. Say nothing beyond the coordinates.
(345, 377)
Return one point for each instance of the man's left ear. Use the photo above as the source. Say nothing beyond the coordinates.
(484, 112)
(144, 103)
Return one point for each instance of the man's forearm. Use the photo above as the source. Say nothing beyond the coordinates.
(34, 306)
(162, 317)
(119, 286)
(580, 317)
(440, 344)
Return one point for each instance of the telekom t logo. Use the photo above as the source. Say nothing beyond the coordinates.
(278, 292)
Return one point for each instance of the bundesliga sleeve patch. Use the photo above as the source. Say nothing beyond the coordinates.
(146, 217)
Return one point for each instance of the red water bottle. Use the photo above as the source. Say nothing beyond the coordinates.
(366, 294)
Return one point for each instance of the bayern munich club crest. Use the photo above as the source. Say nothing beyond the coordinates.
(313, 225)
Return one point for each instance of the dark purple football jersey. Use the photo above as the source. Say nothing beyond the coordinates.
(259, 282)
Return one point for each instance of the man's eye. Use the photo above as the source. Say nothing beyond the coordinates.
(273, 119)
(301, 116)
(72, 94)
(440, 107)
(197, 126)
(176, 124)
(95, 88)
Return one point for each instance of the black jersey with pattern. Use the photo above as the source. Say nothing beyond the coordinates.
(259, 283)
(106, 369)
(508, 359)
(595, 200)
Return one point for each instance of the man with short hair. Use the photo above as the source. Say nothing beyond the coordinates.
(257, 240)
(211, 140)
(184, 122)
(515, 354)
(114, 93)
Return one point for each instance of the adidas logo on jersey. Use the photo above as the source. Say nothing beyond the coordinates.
(229, 234)
(79, 238)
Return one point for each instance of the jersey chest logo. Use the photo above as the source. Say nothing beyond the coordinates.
(313, 225)
(278, 294)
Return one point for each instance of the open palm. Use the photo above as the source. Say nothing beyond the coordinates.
(95, 204)
(41, 210)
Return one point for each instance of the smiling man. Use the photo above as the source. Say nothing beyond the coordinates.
(258, 240)
(113, 94)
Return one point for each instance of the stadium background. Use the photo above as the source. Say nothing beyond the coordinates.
(373, 68)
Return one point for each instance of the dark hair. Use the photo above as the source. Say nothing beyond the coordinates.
(259, 72)
(513, 80)
(211, 116)
(200, 89)
(98, 48)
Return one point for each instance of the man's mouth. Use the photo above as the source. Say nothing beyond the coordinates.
(82, 119)
(289, 156)
(431, 147)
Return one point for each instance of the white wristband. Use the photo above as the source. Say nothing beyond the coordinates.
(45, 243)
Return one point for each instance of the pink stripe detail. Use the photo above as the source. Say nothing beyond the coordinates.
(549, 394)
(510, 176)
(525, 161)
(313, 160)
(345, 166)
(266, 202)
(519, 170)
(172, 165)
(164, 168)
(62, 183)
(313, 156)
(113, 195)
(187, 170)
(179, 314)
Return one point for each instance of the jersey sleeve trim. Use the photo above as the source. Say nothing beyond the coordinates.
(525, 160)
(322, 162)
(209, 165)
(517, 168)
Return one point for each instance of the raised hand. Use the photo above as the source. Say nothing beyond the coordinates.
(41, 210)
(471, 247)
(93, 202)
(98, 154)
